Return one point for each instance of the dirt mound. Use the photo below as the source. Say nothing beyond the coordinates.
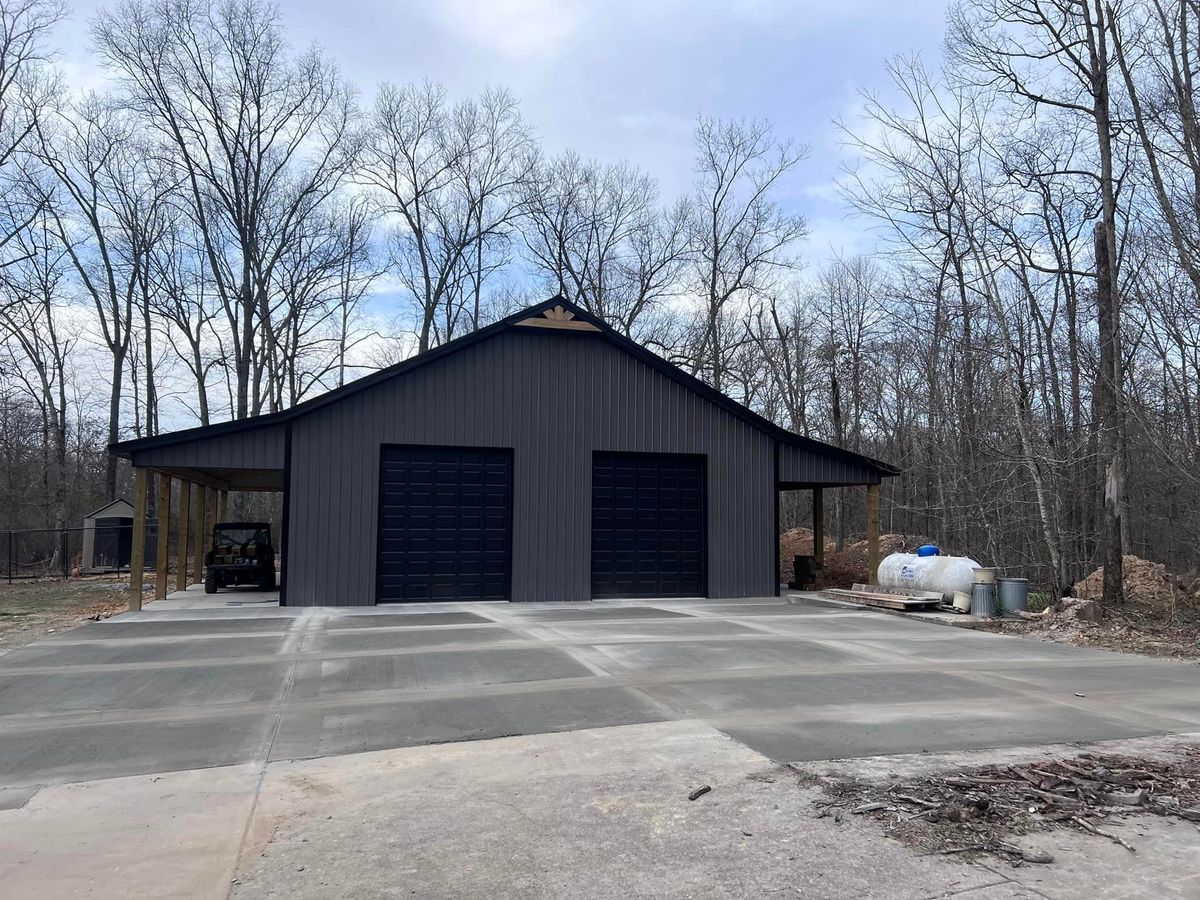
(797, 542)
(1160, 619)
(1147, 585)
(849, 566)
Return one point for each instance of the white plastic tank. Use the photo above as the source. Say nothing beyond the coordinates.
(945, 574)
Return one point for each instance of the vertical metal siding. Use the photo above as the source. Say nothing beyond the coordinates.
(256, 448)
(799, 465)
(554, 399)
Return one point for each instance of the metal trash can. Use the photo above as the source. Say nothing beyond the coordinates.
(983, 600)
(1014, 595)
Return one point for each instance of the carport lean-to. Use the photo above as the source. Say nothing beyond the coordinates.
(545, 457)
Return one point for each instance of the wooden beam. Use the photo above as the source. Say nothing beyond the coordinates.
(164, 535)
(873, 533)
(198, 476)
(818, 525)
(198, 535)
(222, 505)
(137, 553)
(181, 540)
(214, 518)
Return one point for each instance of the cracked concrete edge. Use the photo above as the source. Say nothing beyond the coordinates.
(909, 765)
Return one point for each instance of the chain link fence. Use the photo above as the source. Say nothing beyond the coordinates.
(63, 553)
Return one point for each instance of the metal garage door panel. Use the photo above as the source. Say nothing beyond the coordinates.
(648, 525)
(444, 524)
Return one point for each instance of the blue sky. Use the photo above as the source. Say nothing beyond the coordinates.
(625, 79)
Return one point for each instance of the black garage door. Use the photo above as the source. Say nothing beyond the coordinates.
(648, 525)
(444, 524)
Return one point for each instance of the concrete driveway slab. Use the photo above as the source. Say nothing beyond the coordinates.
(775, 693)
(641, 629)
(405, 620)
(115, 653)
(707, 656)
(144, 837)
(590, 613)
(740, 609)
(306, 732)
(161, 690)
(156, 688)
(948, 648)
(1116, 675)
(866, 730)
(594, 813)
(110, 747)
(863, 625)
(117, 628)
(425, 671)
(407, 639)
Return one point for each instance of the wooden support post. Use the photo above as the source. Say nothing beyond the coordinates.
(198, 536)
(222, 505)
(164, 534)
(873, 533)
(818, 526)
(137, 553)
(181, 545)
(213, 509)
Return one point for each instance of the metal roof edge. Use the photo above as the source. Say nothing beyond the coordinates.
(126, 449)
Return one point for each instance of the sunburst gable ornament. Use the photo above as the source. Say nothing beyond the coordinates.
(558, 317)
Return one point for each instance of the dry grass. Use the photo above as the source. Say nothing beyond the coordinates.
(30, 610)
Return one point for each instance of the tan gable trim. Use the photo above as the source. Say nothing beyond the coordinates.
(557, 317)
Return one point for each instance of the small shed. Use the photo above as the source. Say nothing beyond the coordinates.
(108, 537)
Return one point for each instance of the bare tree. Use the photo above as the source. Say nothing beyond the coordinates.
(39, 347)
(25, 91)
(319, 284)
(1054, 54)
(449, 176)
(261, 139)
(740, 233)
(600, 238)
(108, 208)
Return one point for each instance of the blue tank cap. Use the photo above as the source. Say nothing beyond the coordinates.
(928, 550)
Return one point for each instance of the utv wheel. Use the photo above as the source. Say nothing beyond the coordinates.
(210, 582)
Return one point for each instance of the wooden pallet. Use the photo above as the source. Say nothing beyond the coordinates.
(905, 602)
(898, 592)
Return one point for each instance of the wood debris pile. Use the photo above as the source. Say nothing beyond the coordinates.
(1149, 587)
(981, 809)
(798, 542)
(849, 565)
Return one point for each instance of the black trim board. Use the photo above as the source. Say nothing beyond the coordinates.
(777, 533)
(285, 528)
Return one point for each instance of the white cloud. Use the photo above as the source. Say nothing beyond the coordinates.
(838, 236)
(517, 29)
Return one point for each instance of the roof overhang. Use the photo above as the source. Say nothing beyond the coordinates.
(556, 314)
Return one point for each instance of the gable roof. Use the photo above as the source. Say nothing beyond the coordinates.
(556, 312)
(120, 501)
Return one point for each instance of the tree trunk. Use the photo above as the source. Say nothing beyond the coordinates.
(114, 424)
(1108, 417)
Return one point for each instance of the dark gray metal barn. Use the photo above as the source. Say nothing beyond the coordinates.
(545, 457)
